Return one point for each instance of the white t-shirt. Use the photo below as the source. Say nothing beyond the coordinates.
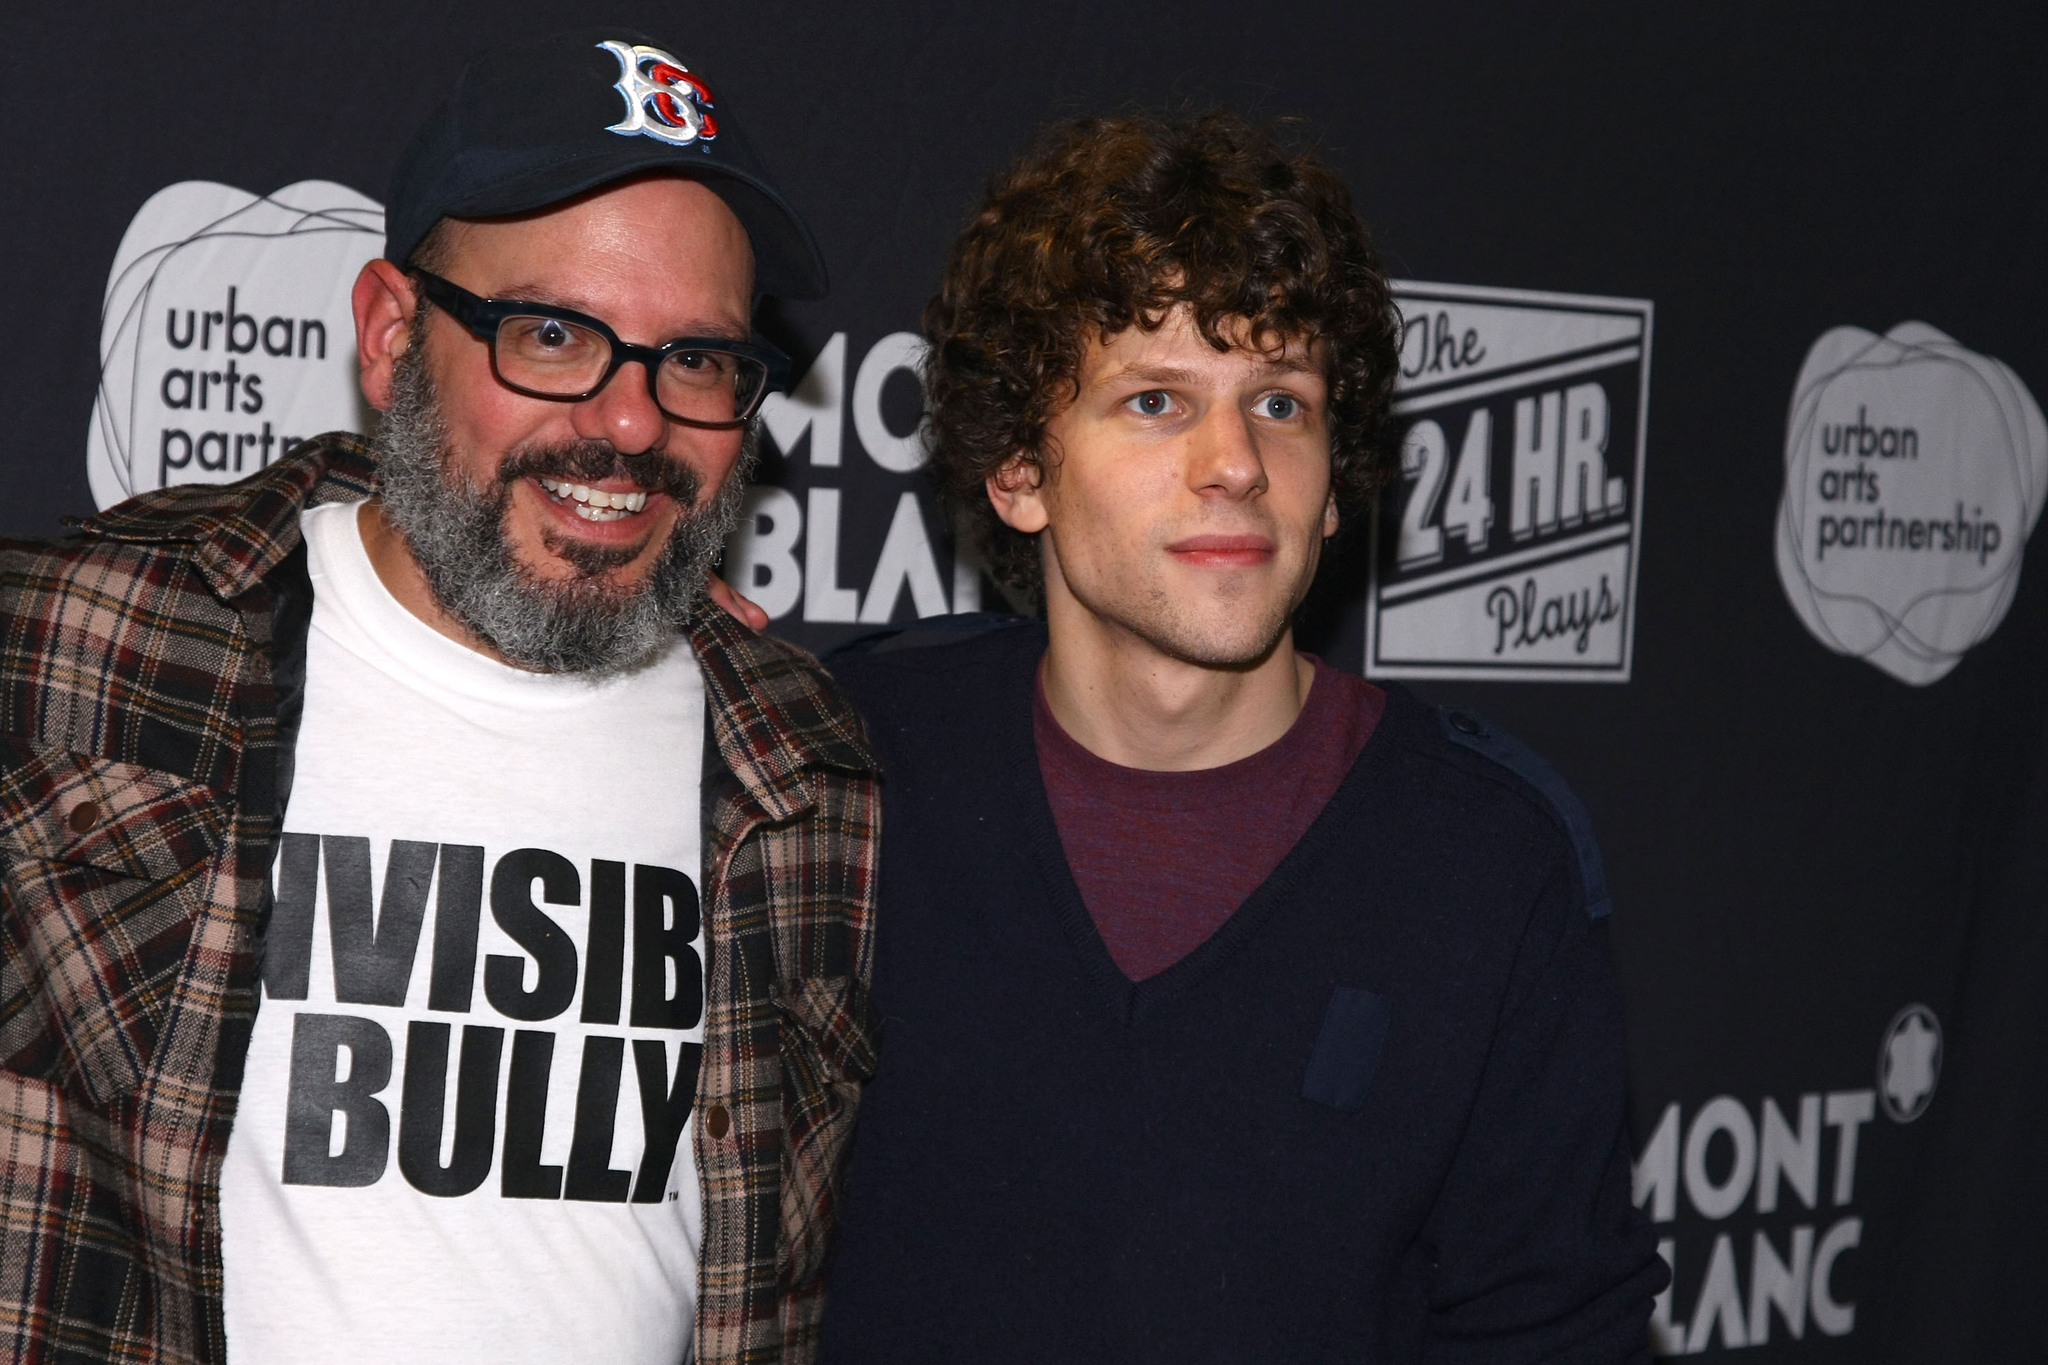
(486, 948)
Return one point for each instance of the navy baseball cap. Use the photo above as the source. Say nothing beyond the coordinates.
(545, 120)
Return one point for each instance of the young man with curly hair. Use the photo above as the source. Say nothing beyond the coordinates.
(1237, 1009)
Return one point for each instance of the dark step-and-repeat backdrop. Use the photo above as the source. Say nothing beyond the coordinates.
(1722, 455)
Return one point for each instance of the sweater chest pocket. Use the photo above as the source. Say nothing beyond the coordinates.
(1347, 1050)
(106, 867)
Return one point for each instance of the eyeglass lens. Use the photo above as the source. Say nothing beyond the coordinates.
(563, 359)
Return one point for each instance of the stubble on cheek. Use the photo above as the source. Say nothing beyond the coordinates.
(1218, 619)
(1191, 617)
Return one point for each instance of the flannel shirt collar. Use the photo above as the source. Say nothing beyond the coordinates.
(241, 531)
(776, 715)
(775, 719)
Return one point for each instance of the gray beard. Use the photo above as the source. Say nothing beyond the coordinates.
(456, 532)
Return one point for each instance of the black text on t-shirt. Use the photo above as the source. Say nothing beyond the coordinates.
(375, 947)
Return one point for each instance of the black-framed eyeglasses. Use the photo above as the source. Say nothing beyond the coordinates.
(558, 353)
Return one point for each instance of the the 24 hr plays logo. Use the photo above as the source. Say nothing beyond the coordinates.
(1509, 548)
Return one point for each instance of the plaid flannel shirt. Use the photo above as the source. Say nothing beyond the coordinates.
(140, 798)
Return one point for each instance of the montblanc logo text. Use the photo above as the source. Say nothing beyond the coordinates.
(1756, 1201)
(803, 551)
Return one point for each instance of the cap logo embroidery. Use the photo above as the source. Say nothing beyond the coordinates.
(663, 100)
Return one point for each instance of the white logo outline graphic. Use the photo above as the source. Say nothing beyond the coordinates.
(663, 100)
(1913, 616)
(294, 251)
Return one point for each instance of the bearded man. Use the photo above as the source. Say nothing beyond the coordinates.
(432, 931)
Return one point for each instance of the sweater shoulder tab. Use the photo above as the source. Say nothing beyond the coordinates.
(1468, 731)
(932, 630)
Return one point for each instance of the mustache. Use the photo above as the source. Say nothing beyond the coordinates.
(594, 461)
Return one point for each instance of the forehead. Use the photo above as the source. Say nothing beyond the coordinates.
(1178, 344)
(663, 249)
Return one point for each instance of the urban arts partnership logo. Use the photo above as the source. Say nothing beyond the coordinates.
(226, 334)
(1509, 551)
(1914, 472)
(1775, 1188)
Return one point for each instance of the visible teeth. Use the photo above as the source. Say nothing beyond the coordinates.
(594, 499)
(589, 513)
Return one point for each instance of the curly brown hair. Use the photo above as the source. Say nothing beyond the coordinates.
(1109, 223)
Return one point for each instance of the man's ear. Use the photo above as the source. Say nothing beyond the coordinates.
(1330, 515)
(383, 301)
(1017, 491)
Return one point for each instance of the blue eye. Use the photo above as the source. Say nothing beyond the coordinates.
(1281, 407)
(1151, 403)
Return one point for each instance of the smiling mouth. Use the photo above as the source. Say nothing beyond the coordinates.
(594, 504)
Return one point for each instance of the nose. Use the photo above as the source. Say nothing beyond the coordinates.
(1225, 460)
(622, 413)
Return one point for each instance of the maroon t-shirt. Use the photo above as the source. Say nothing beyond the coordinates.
(1162, 859)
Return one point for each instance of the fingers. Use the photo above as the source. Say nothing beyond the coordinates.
(746, 612)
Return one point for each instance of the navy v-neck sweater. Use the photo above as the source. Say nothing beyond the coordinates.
(1377, 1116)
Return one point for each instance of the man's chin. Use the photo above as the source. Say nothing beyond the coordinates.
(1230, 643)
(565, 557)
(1228, 654)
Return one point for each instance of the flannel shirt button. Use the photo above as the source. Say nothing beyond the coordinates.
(717, 1121)
(84, 816)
